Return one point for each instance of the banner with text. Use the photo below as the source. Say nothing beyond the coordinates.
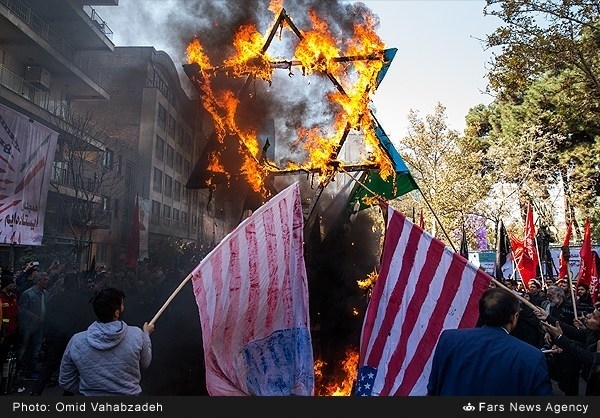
(26, 156)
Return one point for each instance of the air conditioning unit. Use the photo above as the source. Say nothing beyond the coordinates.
(38, 76)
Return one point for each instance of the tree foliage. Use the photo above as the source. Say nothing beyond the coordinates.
(543, 128)
(86, 180)
(449, 173)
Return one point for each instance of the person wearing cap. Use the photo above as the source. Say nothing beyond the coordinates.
(9, 332)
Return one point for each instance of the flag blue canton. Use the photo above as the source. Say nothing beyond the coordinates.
(365, 380)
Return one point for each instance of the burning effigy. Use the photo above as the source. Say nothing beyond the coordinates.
(288, 87)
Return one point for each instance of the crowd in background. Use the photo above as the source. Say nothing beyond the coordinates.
(560, 318)
(41, 308)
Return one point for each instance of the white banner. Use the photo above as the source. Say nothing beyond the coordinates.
(26, 158)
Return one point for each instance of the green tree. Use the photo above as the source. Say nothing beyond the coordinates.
(544, 124)
(448, 169)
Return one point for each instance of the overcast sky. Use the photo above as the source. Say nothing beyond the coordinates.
(439, 58)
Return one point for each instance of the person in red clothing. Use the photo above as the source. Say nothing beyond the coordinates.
(9, 333)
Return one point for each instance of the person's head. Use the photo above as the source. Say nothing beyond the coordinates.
(40, 280)
(534, 286)
(8, 283)
(108, 304)
(556, 295)
(582, 290)
(499, 307)
(512, 284)
(592, 320)
(564, 283)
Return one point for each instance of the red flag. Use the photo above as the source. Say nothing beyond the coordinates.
(132, 254)
(528, 261)
(252, 297)
(594, 287)
(587, 264)
(423, 287)
(563, 260)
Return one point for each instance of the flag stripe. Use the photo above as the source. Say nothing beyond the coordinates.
(252, 297)
(423, 288)
(425, 270)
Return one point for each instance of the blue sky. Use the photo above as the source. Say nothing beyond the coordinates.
(439, 58)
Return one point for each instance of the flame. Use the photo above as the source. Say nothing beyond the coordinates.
(352, 64)
(343, 379)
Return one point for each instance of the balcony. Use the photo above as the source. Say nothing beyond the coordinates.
(25, 33)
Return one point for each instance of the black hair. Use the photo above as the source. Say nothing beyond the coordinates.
(496, 306)
(105, 302)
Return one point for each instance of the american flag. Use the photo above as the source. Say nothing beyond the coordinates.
(423, 288)
(252, 297)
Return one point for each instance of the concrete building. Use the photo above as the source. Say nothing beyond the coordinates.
(126, 129)
(166, 130)
(43, 74)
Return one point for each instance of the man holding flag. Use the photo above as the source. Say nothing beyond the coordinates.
(423, 287)
(488, 360)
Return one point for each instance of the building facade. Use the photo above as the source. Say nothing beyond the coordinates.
(127, 132)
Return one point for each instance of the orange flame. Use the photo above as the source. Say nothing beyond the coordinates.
(343, 380)
(352, 65)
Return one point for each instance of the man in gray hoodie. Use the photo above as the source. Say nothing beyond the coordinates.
(107, 358)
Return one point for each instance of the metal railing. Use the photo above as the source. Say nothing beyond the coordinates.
(24, 12)
(38, 97)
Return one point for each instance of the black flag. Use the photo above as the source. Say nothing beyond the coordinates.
(464, 247)
(502, 249)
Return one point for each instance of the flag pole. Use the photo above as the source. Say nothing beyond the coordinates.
(521, 298)
(175, 292)
(424, 198)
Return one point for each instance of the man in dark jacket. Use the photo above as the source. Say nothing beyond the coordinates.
(578, 345)
(67, 313)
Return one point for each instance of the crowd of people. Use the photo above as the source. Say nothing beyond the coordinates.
(52, 319)
(526, 339)
(41, 310)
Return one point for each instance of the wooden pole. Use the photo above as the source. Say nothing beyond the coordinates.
(175, 292)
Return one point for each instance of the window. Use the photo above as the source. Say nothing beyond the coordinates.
(166, 215)
(155, 216)
(168, 185)
(105, 203)
(162, 117)
(184, 219)
(176, 218)
(159, 148)
(186, 168)
(178, 162)
(180, 136)
(107, 160)
(157, 181)
(177, 191)
(120, 164)
(172, 126)
(170, 156)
